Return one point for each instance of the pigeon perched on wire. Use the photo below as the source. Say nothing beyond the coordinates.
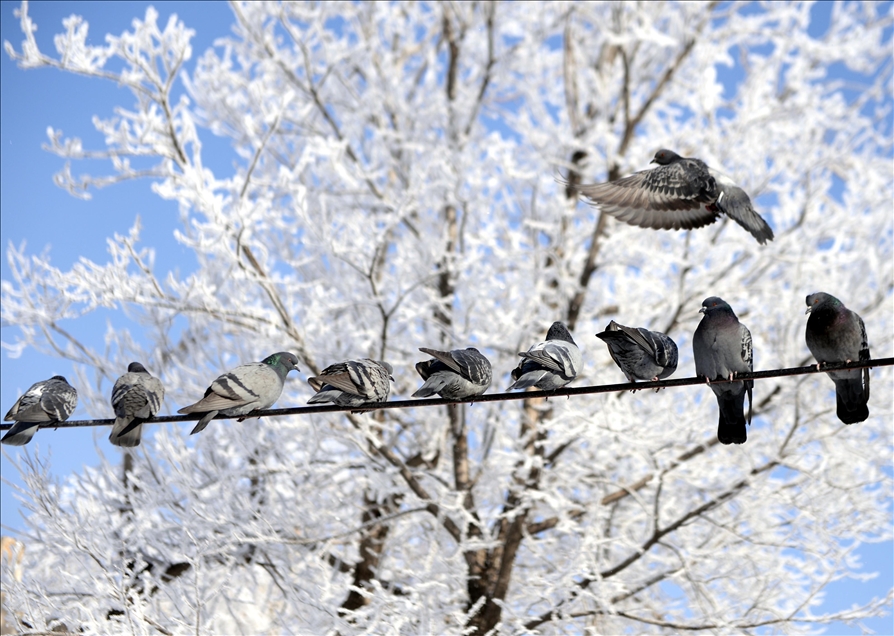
(136, 397)
(550, 364)
(454, 375)
(681, 193)
(352, 383)
(46, 402)
(837, 334)
(249, 387)
(722, 348)
(641, 354)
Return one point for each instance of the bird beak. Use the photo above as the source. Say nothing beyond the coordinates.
(653, 161)
(808, 310)
(702, 310)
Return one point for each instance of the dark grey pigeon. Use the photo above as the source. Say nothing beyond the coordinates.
(550, 364)
(46, 402)
(722, 348)
(641, 354)
(352, 383)
(246, 388)
(837, 334)
(681, 194)
(454, 375)
(136, 397)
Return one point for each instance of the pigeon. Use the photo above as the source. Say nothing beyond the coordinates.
(249, 387)
(454, 375)
(548, 365)
(681, 193)
(641, 354)
(722, 348)
(136, 397)
(837, 334)
(48, 402)
(352, 383)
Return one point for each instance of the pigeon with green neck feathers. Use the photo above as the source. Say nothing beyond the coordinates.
(247, 388)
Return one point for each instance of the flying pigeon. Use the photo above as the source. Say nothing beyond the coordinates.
(352, 383)
(681, 193)
(247, 388)
(136, 397)
(548, 365)
(47, 402)
(837, 334)
(454, 375)
(641, 354)
(722, 348)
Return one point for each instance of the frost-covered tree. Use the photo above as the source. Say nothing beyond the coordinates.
(397, 186)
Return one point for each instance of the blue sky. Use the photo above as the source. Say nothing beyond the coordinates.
(34, 210)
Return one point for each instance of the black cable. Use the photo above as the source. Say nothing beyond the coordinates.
(493, 397)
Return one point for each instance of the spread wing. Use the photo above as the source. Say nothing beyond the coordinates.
(676, 196)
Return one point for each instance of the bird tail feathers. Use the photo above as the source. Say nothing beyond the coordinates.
(731, 429)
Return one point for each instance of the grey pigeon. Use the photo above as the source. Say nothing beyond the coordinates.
(246, 388)
(47, 402)
(550, 364)
(136, 397)
(641, 354)
(352, 383)
(722, 348)
(454, 375)
(837, 334)
(681, 193)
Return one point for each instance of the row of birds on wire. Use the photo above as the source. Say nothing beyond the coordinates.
(680, 193)
(721, 349)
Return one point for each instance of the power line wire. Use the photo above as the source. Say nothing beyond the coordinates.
(493, 397)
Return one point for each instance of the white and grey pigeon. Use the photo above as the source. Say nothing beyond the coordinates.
(352, 383)
(249, 387)
(682, 193)
(641, 354)
(550, 364)
(722, 348)
(46, 402)
(454, 375)
(837, 334)
(136, 397)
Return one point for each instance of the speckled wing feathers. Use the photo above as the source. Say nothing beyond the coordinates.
(136, 397)
(352, 383)
(454, 375)
(675, 196)
(46, 401)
